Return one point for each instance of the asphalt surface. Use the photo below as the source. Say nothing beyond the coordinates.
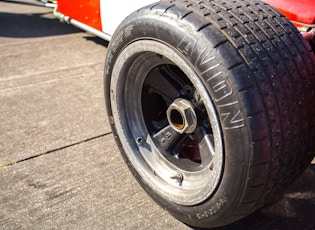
(59, 165)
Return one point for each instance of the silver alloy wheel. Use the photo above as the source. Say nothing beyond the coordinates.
(147, 77)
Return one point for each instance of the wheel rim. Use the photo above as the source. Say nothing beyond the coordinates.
(184, 168)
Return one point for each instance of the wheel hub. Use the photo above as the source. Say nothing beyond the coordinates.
(181, 116)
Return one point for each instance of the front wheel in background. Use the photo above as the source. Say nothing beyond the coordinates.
(212, 105)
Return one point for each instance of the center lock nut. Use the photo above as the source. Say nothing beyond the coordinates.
(181, 116)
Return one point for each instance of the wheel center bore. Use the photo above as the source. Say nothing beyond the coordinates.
(181, 116)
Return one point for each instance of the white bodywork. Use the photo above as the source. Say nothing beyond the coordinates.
(114, 12)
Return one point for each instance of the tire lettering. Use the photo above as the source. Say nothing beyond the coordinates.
(214, 76)
(128, 31)
(186, 46)
(204, 60)
(220, 87)
(230, 112)
(222, 90)
(213, 210)
(232, 121)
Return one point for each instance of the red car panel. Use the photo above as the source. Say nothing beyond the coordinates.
(296, 10)
(85, 11)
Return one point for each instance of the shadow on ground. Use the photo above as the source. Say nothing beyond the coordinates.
(96, 40)
(38, 25)
(33, 25)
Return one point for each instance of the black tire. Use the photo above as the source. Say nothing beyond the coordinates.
(249, 77)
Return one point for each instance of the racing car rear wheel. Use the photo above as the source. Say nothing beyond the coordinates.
(212, 104)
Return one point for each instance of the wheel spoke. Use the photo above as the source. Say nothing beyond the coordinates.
(163, 82)
(168, 139)
(206, 145)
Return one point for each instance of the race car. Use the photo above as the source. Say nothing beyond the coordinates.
(212, 103)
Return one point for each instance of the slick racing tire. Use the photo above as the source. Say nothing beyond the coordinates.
(212, 105)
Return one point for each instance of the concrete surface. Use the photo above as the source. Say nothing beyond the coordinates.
(59, 165)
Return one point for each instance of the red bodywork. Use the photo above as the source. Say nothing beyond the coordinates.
(302, 11)
(85, 11)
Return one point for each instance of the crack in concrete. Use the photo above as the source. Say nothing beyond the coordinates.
(54, 150)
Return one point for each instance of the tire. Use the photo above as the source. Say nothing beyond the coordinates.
(212, 104)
